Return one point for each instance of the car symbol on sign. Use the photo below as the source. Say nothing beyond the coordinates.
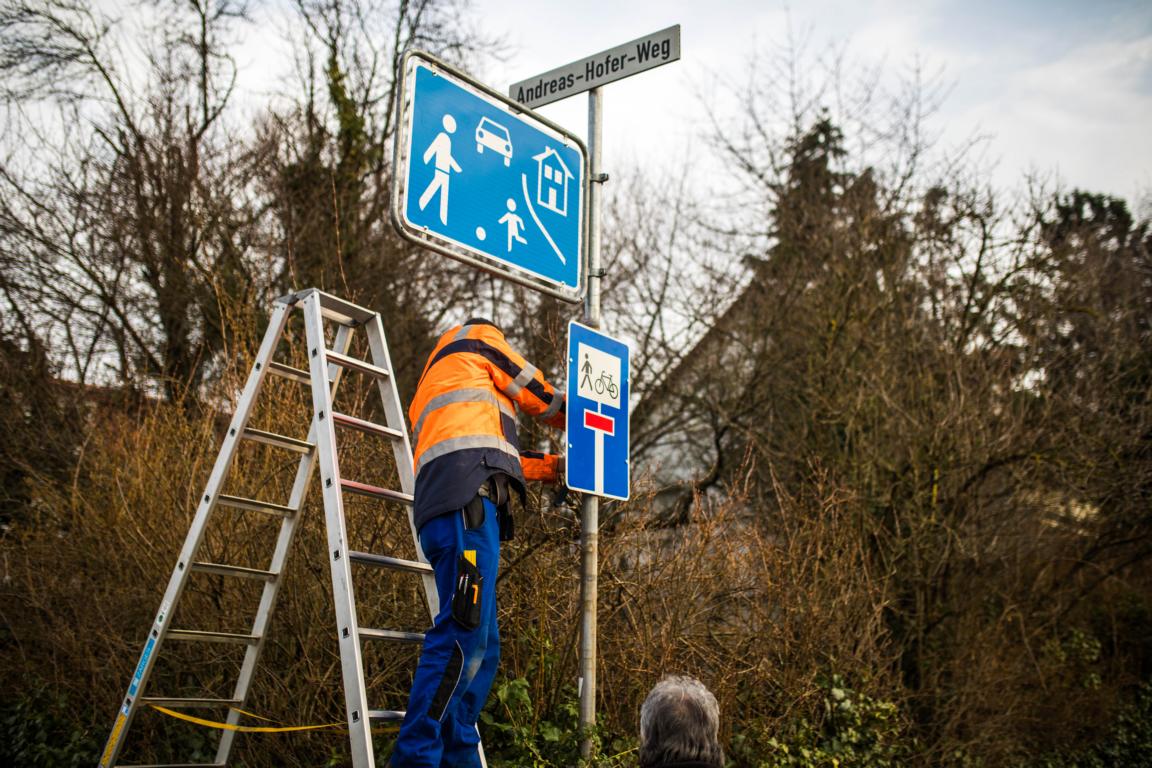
(495, 137)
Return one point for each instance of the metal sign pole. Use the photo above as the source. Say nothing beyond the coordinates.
(590, 512)
(590, 74)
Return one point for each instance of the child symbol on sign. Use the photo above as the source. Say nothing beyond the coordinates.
(515, 224)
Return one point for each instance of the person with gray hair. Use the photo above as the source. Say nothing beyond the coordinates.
(680, 726)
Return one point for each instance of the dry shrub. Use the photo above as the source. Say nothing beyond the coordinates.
(757, 603)
(83, 581)
(765, 605)
(1034, 646)
(762, 605)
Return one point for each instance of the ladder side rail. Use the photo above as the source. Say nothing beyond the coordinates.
(348, 635)
(288, 527)
(195, 537)
(402, 449)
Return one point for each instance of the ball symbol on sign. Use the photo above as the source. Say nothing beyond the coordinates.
(481, 234)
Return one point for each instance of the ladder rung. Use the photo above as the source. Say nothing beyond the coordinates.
(385, 715)
(190, 703)
(234, 570)
(355, 364)
(389, 562)
(391, 634)
(366, 426)
(340, 317)
(280, 441)
(212, 637)
(332, 305)
(253, 505)
(288, 372)
(375, 492)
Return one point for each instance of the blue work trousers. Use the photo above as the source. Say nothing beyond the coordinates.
(457, 665)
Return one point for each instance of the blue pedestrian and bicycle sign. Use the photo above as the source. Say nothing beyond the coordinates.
(487, 182)
(597, 457)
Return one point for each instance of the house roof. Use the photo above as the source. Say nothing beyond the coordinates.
(550, 151)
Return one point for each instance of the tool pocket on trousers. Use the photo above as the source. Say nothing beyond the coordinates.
(474, 513)
(466, 600)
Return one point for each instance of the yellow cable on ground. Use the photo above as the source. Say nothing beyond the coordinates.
(244, 728)
(251, 714)
(257, 728)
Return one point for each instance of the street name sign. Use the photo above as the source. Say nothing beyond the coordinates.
(484, 181)
(625, 60)
(597, 458)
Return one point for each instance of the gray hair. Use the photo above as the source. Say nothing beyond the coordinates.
(679, 723)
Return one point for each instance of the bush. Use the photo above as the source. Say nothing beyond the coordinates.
(40, 731)
(854, 730)
(1128, 745)
(754, 605)
(514, 734)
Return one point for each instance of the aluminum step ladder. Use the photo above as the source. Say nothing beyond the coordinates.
(326, 367)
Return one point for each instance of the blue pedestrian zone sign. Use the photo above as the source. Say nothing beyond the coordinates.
(489, 179)
(597, 457)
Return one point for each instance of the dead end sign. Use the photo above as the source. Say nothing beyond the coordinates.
(597, 458)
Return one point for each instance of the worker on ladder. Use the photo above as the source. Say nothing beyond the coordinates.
(467, 461)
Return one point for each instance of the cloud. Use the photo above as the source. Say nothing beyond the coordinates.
(1085, 115)
(1059, 85)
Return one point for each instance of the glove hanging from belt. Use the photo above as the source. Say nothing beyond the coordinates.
(495, 489)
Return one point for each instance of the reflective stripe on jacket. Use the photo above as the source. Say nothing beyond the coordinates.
(464, 421)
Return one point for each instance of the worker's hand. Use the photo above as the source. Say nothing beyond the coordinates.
(563, 510)
(560, 495)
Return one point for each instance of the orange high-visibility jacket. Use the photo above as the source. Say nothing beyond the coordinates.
(464, 421)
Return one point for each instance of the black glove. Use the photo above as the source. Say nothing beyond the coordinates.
(560, 490)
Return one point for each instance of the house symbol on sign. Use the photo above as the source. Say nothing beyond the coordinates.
(552, 177)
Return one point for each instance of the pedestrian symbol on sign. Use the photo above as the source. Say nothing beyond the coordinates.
(440, 151)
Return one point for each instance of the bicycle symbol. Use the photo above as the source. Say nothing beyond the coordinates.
(605, 383)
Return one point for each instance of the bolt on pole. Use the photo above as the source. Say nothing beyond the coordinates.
(590, 512)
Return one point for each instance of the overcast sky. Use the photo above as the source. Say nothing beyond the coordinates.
(1060, 87)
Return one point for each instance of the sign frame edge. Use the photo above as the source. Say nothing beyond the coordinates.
(412, 234)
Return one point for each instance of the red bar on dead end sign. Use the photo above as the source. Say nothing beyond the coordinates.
(594, 420)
